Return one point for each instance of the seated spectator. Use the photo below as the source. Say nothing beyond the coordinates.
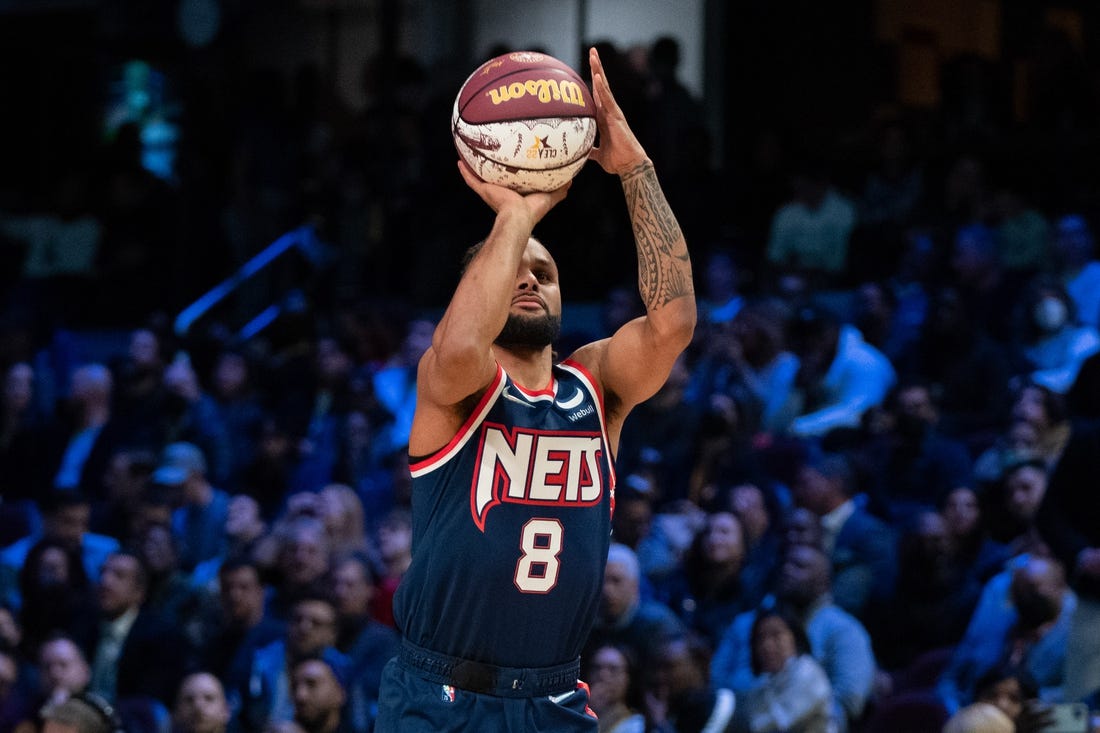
(342, 513)
(171, 593)
(707, 593)
(87, 713)
(839, 376)
(625, 617)
(1024, 621)
(967, 368)
(395, 555)
(134, 652)
(615, 689)
(318, 685)
(972, 549)
(1014, 504)
(1051, 341)
(979, 717)
(1015, 693)
(838, 641)
(1074, 250)
(200, 705)
(683, 698)
(911, 463)
(63, 672)
(792, 692)
(761, 521)
(57, 595)
(241, 624)
(861, 548)
(934, 598)
(301, 559)
(266, 694)
(368, 644)
(238, 407)
(199, 521)
(810, 233)
(244, 531)
(65, 519)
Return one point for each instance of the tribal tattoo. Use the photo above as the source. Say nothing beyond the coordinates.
(664, 268)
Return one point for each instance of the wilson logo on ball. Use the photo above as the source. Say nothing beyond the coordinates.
(546, 90)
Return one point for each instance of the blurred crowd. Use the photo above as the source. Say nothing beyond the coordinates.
(863, 501)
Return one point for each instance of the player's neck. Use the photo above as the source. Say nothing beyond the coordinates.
(530, 369)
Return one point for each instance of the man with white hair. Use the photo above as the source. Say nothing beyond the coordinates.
(625, 617)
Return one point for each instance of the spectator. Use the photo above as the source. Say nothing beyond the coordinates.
(56, 594)
(266, 696)
(839, 642)
(319, 687)
(625, 617)
(65, 519)
(862, 549)
(368, 644)
(88, 713)
(245, 530)
(134, 652)
(839, 376)
(78, 451)
(1051, 341)
(1015, 693)
(342, 512)
(241, 625)
(792, 693)
(810, 233)
(200, 705)
(707, 592)
(395, 554)
(979, 717)
(684, 699)
(199, 521)
(616, 687)
(912, 463)
(1031, 633)
(1067, 523)
(62, 672)
(1074, 250)
(238, 407)
(761, 520)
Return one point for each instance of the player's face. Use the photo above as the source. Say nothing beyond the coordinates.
(534, 320)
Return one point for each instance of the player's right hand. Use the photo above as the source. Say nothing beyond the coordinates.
(498, 198)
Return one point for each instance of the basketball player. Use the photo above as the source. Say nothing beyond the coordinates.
(511, 457)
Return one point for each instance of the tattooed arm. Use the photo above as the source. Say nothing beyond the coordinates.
(633, 364)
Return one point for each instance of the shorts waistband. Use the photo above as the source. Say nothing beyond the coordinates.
(489, 679)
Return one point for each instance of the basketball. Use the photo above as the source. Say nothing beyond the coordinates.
(524, 120)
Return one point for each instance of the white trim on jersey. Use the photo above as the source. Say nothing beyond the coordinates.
(465, 433)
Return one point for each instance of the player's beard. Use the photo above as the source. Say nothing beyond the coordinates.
(529, 332)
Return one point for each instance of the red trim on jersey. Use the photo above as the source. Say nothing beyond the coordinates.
(582, 685)
(476, 415)
(595, 386)
(548, 391)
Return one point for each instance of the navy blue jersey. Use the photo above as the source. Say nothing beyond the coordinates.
(511, 525)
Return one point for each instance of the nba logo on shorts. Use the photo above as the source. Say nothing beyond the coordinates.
(448, 693)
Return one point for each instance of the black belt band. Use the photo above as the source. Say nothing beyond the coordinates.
(488, 679)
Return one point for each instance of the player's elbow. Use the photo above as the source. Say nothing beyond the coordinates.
(675, 323)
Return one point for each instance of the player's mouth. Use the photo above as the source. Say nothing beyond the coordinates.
(529, 302)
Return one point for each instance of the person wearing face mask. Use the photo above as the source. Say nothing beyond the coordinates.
(1030, 633)
(1053, 343)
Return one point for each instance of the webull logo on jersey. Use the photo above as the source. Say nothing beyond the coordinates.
(555, 468)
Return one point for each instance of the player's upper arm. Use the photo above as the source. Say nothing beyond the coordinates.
(446, 377)
(635, 362)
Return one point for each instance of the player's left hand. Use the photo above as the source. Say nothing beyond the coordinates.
(619, 151)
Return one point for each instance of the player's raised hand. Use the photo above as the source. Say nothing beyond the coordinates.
(497, 197)
(619, 151)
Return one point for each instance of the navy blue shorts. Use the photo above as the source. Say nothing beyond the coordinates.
(415, 698)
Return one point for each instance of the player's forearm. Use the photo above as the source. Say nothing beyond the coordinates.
(664, 267)
(479, 307)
